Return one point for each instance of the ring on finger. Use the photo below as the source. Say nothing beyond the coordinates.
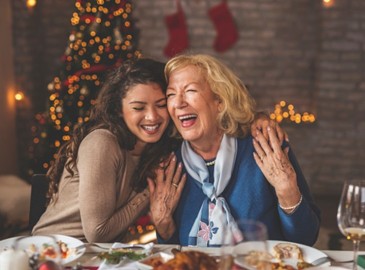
(175, 185)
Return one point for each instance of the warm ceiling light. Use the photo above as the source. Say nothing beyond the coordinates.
(31, 3)
(328, 3)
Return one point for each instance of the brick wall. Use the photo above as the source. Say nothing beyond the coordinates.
(298, 51)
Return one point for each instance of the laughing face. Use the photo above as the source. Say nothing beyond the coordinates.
(193, 106)
(144, 112)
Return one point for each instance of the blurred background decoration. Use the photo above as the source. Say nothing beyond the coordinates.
(303, 61)
(102, 36)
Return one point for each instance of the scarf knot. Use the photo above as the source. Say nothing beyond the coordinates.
(209, 190)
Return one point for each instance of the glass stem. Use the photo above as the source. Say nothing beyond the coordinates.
(356, 249)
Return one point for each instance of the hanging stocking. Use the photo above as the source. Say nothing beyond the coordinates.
(227, 33)
(178, 32)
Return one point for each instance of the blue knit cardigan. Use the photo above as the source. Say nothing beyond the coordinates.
(250, 195)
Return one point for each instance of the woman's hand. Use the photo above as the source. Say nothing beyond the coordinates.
(165, 193)
(275, 165)
(262, 122)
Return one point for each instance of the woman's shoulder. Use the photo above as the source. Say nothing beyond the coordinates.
(100, 137)
(101, 133)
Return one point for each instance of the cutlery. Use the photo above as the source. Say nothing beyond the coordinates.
(326, 259)
(85, 245)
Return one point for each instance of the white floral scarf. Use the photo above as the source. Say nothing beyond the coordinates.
(214, 213)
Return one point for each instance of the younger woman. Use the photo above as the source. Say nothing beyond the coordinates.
(97, 184)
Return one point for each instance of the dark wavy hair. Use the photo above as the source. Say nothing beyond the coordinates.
(106, 114)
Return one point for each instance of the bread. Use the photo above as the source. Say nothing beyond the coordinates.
(287, 251)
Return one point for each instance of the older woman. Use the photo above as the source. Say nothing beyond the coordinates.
(228, 174)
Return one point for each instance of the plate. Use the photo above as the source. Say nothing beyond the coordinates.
(39, 240)
(327, 268)
(310, 254)
(145, 264)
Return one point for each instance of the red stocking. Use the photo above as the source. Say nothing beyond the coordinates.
(227, 33)
(178, 32)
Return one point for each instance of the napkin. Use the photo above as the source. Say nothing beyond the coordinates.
(125, 264)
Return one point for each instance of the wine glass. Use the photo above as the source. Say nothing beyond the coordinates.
(351, 213)
(244, 244)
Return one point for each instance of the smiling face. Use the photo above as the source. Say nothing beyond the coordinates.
(145, 114)
(193, 107)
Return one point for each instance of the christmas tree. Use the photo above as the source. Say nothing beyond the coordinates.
(102, 37)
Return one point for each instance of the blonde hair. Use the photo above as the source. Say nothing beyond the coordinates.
(238, 106)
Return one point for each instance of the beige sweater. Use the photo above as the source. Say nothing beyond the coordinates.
(97, 204)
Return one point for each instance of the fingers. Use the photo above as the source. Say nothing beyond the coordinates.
(260, 153)
(264, 148)
(286, 151)
(254, 128)
(260, 123)
(177, 176)
(274, 140)
(179, 189)
(282, 134)
(170, 171)
(265, 133)
(262, 144)
(160, 173)
(258, 160)
(151, 185)
(286, 136)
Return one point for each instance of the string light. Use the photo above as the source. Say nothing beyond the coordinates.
(286, 112)
(19, 96)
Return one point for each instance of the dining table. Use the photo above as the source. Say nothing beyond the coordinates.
(90, 261)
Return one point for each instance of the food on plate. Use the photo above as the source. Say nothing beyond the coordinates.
(48, 251)
(302, 265)
(288, 251)
(154, 261)
(285, 256)
(254, 258)
(189, 260)
(114, 256)
(64, 249)
(275, 266)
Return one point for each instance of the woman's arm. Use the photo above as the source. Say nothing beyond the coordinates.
(100, 164)
(275, 165)
(300, 218)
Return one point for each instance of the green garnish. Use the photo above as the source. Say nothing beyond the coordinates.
(114, 257)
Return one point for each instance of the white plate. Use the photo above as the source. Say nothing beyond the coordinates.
(38, 241)
(310, 254)
(164, 258)
(327, 268)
